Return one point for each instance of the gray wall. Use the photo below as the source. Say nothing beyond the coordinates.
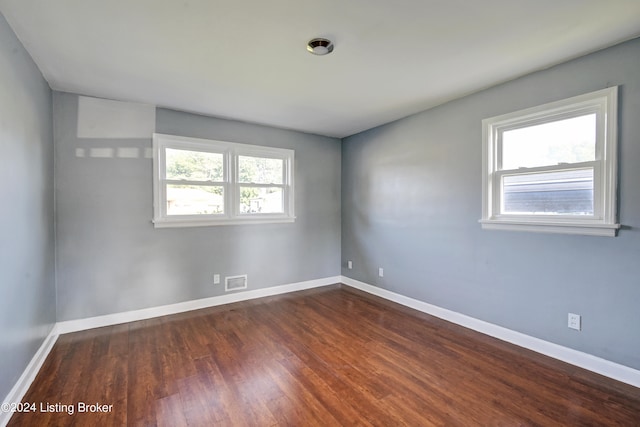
(27, 278)
(411, 202)
(111, 258)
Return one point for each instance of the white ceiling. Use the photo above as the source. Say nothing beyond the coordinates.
(246, 59)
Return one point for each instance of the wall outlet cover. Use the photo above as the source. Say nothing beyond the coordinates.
(575, 321)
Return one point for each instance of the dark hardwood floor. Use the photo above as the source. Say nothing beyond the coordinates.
(328, 356)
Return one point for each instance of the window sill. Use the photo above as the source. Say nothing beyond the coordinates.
(179, 223)
(606, 230)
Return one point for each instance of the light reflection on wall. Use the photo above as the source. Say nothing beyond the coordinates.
(104, 121)
(118, 152)
(107, 119)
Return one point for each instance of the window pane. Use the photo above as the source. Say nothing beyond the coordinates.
(260, 170)
(563, 141)
(551, 193)
(194, 200)
(194, 165)
(261, 200)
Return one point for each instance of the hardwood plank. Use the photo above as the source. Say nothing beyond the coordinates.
(327, 356)
(169, 412)
(145, 374)
(223, 404)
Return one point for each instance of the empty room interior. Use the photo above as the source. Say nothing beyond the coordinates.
(338, 213)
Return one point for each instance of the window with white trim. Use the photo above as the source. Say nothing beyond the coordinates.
(553, 168)
(199, 182)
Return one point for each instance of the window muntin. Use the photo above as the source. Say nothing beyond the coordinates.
(203, 182)
(552, 168)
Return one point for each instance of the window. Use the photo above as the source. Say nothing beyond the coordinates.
(552, 168)
(200, 182)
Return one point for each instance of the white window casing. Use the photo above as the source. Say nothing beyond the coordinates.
(229, 183)
(600, 219)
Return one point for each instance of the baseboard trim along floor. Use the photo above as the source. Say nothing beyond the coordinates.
(586, 361)
(181, 307)
(583, 360)
(24, 382)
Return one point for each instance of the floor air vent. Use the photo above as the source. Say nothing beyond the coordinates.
(233, 283)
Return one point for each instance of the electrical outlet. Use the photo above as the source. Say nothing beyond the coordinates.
(575, 321)
(216, 279)
(380, 272)
(349, 265)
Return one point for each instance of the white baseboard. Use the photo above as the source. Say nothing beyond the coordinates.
(592, 363)
(587, 361)
(148, 313)
(24, 382)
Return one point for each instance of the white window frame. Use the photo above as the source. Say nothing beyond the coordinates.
(603, 222)
(231, 152)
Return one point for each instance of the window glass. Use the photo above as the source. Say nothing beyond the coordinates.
(194, 165)
(260, 170)
(564, 141)
(567, 192)
(194, 199)
(261, 200)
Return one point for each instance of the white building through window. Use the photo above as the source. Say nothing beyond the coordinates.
(552, 168)
(200, 182)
